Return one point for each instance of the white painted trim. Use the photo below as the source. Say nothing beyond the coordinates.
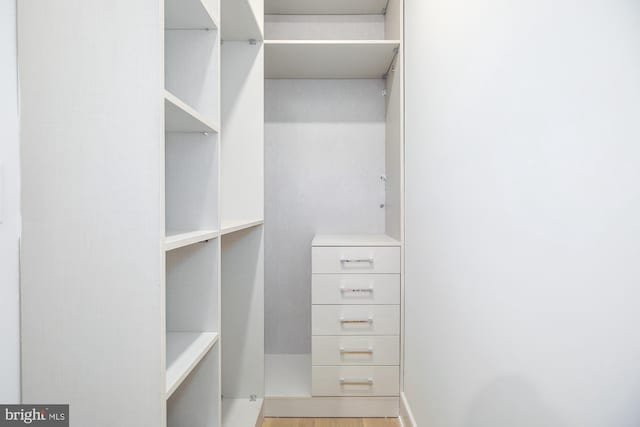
(332, 407)
(260, 419)
(406, 415)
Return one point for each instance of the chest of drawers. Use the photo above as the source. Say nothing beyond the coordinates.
(355, 315)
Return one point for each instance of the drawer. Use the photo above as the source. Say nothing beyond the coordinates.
(355, 381)
(355, 319)
(356, 259)
(355, 289)
(347, 350)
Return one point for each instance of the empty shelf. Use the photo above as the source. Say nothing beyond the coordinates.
(233, 226)
(175, 241)
(241, 412)
(188, 15)
(184, 351)
(328, 59)
(179, 117)
(326, 7)
(241, 21)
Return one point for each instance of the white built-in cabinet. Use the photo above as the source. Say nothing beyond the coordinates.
(242, 213)
(142, 251)
(155, 221)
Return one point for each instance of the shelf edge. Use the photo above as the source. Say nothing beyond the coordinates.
(239, 226)
(213, 337)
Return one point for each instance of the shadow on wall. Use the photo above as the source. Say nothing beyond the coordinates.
(511, 402)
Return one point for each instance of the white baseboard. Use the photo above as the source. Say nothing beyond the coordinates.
(406, 416)
(260, 419)
(332, 407)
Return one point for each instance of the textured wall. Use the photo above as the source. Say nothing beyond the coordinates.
(324, 154)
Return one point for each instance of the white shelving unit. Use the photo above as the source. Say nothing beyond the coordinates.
(242, 212)
(127, 230)
(157, 216)
(329, 59)
(192, 245)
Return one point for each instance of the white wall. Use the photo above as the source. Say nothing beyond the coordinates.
(324, 155)
(9, 208)
(523, 213)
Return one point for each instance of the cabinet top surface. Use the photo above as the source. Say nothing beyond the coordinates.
(354, 240)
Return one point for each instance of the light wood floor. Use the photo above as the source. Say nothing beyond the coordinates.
(331, 422)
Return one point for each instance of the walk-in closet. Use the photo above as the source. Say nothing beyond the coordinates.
(319, 213)
(233, 144)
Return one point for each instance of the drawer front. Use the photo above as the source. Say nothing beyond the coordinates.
(355, 381)
(346, 350)
(355, 319)
(356, 259)
(355, 289)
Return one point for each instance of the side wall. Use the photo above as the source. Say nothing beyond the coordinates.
(9, 208)
(522, 207)
(92, 150)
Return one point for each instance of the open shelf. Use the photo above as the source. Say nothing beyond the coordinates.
(180, 240)
(241, 21)
(325, 7)
(233, 226)
(184, 351)
(241, 412)
(180, 117)
(188, 15)
(328, 59)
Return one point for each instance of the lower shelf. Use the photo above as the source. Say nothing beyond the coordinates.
(233, 226)
(241, 412)
(287, 375)
(184, 351)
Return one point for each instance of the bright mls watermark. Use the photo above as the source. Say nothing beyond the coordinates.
(34, 415)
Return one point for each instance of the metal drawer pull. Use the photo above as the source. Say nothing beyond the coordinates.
(369, 289)
(354, 261)
(369, 320)
(362, 351)
(356, 381)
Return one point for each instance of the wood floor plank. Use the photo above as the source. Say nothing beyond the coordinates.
(288, 422)
(380, 422)
(331, 422)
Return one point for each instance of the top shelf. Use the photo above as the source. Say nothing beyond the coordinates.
(188, 15)
(329, 59)
(325, 7)
(241, 21)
